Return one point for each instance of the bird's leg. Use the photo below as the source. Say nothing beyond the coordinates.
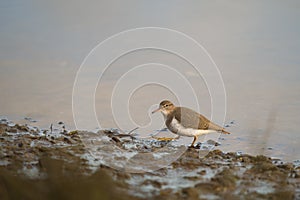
(195, 138)
(177, 136)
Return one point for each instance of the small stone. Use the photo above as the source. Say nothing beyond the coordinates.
(154, 183)
(117, 140)
(202, 172)
(67, 140)
(73, 132)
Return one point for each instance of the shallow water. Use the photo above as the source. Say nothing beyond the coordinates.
(255, 45)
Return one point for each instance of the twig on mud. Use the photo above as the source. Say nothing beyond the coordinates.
(133, 130)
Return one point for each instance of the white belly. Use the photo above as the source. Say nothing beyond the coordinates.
(189, 132)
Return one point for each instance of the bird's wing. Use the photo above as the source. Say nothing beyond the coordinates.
(191, 119)
(216, 127)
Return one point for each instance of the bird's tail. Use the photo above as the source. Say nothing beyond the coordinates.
(224, 132)
(217, 128)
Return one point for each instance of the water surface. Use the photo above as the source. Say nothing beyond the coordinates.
(255, 44)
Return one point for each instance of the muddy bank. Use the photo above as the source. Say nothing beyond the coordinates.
(49, 164)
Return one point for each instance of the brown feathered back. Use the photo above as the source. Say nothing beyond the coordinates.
(191, 119)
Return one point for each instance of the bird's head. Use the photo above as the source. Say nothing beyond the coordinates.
(165, 107)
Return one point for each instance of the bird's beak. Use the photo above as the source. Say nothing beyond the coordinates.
(154, 111)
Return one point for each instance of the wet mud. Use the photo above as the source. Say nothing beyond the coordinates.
(47, 164)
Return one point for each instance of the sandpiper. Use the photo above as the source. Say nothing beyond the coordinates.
(186, 122)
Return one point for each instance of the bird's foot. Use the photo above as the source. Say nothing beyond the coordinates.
(198, 145)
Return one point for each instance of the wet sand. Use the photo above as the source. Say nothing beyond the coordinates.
(57, 164)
